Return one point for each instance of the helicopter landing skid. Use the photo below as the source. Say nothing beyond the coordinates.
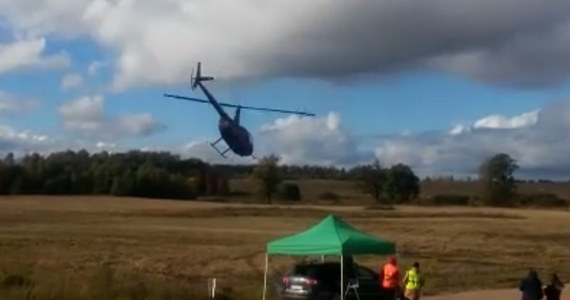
(223, 154)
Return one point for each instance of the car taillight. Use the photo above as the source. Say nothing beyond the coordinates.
(311, 281)
(285, 280)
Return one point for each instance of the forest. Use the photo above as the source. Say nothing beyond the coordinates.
(166, 175)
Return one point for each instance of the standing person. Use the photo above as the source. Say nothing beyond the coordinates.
(531, 286)
(413, 282)
(390, 278)
(554, 289)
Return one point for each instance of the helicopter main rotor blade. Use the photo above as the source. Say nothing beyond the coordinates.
(241, 106)
(186, 98)
(275, 110)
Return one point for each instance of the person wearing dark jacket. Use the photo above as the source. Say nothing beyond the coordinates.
(554, 289)
(531, 287)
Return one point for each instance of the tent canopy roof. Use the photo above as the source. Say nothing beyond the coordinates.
(331, 236)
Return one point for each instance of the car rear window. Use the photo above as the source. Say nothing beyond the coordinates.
(305, 270)
(314, 270)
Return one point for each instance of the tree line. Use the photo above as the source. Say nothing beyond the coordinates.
(165, 175)
(134, 173)
(398, 184)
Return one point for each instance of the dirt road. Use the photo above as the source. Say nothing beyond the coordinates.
(507, 294)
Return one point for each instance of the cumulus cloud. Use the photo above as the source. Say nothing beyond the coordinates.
(71, 80)
(86, 115)
(94, 67)
(11, 104)
(513, 42)
(536, 58)
(321, 141)
(498, 121)
(538, 140)
(296, 140)
(22, 141)
(28, 53)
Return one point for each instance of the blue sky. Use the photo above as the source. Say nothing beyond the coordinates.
(496, 100)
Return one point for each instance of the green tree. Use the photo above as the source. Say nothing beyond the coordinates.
(401, 183)
(267, 173)
(370, 179)
(123, 185)
(290, 192)
(223, 185)
(498, 185)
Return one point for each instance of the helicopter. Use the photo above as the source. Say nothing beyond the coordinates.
(235, 135)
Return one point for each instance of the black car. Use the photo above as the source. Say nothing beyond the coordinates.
(312, 281)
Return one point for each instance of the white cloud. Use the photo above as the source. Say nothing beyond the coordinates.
(22, 141)
(320, 141)
(84, 109)
(94, 68)
(297, 140)
(458, 129)
(71, 80)
(498, 121)
(106, 146)
(538, 140)
(27, 54)
(12, 104)
(86, 115)
(511, 41)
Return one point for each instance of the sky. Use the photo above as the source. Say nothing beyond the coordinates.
(438, 85)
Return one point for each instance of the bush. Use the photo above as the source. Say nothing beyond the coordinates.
(448, 199)
(541, 200)
(15, 280)
(329, 196)
(289, 191)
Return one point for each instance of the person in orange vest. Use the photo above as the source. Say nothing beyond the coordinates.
(390, 278)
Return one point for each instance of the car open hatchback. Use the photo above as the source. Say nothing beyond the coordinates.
(311, 281)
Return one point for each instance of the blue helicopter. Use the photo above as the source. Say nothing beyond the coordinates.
(237, 137)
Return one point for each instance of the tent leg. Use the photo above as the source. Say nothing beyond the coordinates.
(322, 258)
(265, 275)
(341, 277)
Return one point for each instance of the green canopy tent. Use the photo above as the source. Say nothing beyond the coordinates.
(331, 236)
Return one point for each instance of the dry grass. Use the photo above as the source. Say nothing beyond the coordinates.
(99, 248)
(312, 189)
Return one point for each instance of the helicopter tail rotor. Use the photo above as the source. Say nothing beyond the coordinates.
(195, 79)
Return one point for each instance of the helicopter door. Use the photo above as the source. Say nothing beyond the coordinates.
(249, 138)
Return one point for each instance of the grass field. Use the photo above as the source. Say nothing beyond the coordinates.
(311, 189)
(108, 248)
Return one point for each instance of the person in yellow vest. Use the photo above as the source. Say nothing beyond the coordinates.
(413, 283)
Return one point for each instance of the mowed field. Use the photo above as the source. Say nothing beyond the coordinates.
(124, 248)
